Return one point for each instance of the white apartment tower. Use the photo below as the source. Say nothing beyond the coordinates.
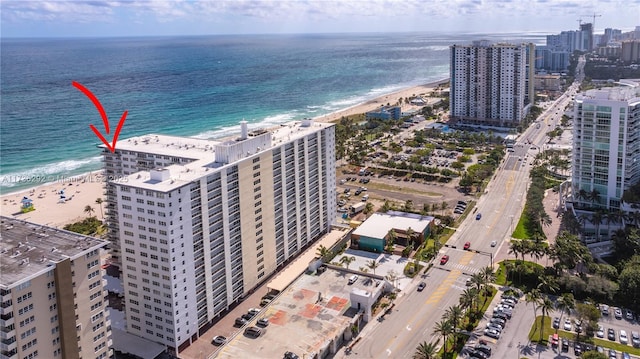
(53, 300)
(206, 221)
(606, 145)
(488, 83)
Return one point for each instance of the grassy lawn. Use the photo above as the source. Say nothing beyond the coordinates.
(534, 336)
(501, 274)
(520, 232)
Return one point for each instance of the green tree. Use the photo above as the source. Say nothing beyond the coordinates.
(566, 303)
(534, 297)
(372, 264)
(593, 355)
(629, 281)
(444, 328)
(454, 314)
(546, 305)
(427, 350)
(88, 210)
(323, 252)
(99, 202)
(346, 260)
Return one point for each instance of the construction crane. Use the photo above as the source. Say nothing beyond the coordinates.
(579, 22)
(594, 15)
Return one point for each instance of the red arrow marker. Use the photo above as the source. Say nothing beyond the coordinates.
(103, 115)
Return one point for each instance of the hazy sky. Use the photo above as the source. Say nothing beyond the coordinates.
(59, 18)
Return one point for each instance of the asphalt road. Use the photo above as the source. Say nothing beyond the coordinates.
(415, 313)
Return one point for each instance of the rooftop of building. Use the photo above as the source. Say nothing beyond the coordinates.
(379, 224)
(203, 152)
(28, 249)
(305, 318)
(624, 91)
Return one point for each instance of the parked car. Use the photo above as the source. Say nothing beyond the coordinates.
(565, 345)
(623, 337)
(567, 325)
(478, 216)
(240, 322)
(291, 355)
(218, 340)
(477, 354)
(421, 286)
(635, 339)
(253, 332)
(612, 354)
(467, 246)
(577, 349)
(600, 332)
(353, 279)
(494, 243)
(444, 260)
(604, 309)
(618, 313)
(628, 314)
(611, 334)
(263, 322)
(483, 348)
(492, 333)
(495, 326)
(253, 312)
(556, 323)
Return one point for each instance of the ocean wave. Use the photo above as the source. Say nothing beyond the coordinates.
(47, 173)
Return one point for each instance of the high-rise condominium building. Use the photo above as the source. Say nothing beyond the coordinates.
(52, 296)
(488, 83)
(606, 145)
(207, 221)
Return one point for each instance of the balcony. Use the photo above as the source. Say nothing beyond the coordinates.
(6, 308)
(6, 322)
(8, 333)
(9, 354)
(7, 345)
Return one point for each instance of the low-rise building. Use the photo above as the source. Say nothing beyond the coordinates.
(374, 233)
(385, 113)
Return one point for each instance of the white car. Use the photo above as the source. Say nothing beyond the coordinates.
(567, 325)
(492, 333)
(600, 332)
(623, 337)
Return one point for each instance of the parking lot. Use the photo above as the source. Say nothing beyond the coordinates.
(513, 338)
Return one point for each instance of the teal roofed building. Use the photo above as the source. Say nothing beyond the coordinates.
(385, 113)
(372, 235)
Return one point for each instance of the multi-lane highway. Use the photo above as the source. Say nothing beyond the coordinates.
(415, 313)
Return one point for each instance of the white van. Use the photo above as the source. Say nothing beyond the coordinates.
(353, 279)
(365, 198)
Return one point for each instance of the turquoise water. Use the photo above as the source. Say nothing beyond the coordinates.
(190, 86)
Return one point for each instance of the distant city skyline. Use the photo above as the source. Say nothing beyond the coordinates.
(197, 17)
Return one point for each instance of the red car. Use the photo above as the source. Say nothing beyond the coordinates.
(467, 245)
(444, 260)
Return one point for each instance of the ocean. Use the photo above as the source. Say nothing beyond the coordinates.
(192, 86)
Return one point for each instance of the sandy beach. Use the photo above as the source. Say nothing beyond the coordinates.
(79, 192)
(391, 98)
(83, 190)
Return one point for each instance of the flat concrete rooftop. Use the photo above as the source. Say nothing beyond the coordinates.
(28, 249)
(299, 322)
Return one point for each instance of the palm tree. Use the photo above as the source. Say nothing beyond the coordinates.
(488, 274)
(594, 196)
(477, 281)
(444, 206)
(99, 203)
(534, 298)
(546, 305)
(454, 314)
(468, 299)
(410, 234)
(597, 218)
(444, 328)
(372, 264)
(548, 284)
(346, 260)
(426, 350)
(323, 252)
(88, 210)
(565, 303)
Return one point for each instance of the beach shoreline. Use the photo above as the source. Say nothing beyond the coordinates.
(84, 189)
